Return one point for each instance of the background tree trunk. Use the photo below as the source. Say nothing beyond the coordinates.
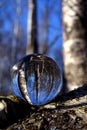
(32, 44)
(15, 33)
(75, 42)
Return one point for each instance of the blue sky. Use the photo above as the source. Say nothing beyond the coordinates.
(8, 16)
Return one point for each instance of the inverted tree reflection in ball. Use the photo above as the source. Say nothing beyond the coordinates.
(37, 79)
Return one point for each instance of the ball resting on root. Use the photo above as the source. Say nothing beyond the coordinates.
(37, 79)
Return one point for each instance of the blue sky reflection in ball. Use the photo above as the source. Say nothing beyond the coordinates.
(37, 79)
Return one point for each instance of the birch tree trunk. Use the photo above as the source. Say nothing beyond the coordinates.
(32, 45)
(75, 42)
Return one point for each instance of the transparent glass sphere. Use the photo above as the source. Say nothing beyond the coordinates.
(37, 79)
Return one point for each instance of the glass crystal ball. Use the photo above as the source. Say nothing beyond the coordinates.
(37, 79)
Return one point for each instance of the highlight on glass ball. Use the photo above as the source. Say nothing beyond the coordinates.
(37, 79)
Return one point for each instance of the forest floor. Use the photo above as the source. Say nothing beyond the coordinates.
(66, 112)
